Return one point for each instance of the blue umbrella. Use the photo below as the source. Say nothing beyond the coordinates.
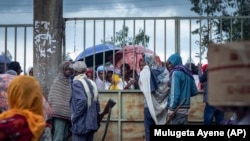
(98, 51)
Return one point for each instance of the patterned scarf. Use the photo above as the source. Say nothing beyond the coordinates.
(60, 93)
(83, 78)
(181, 68)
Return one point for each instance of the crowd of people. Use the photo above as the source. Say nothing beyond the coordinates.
(72, 107)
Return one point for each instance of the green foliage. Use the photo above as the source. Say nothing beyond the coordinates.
(221, 30)
(122, 38)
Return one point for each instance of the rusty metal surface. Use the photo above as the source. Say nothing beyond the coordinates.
(126, 122)
(196, 108)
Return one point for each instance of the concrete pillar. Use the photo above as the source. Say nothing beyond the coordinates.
(47, 43)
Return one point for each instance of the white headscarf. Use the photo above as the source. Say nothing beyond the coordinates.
(28, 70)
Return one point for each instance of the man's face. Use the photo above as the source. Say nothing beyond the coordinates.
(67, 71)
(109, 76)
(169, 66)
(126, 71)
(89, 75)
(141, 64)
(101, 74)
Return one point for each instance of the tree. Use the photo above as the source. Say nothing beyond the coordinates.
(216, 30)
(122, 39)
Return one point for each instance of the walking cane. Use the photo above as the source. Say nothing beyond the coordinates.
(172, 115)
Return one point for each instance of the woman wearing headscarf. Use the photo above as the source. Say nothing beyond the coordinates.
(100, 78)
(59, 97)
(182, 88)
(155, 103)
(84, 105)
(24, 120)
(30, 71)
(116, 82)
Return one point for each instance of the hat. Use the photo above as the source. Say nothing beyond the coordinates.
(204, 67)
(79, 66)
(89, 71)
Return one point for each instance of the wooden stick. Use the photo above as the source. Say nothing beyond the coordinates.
(177, 108)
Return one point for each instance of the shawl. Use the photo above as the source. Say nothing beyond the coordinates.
(83, 78)
(60, 93)
(156, 102)
(99, 82)
(183, 69)
(157, 110)
(159, 78)
(115, 81)
(25, 98)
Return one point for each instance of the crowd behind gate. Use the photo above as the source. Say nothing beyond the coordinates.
(72, 108)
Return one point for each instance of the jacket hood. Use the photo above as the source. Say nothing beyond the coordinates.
(175, 59)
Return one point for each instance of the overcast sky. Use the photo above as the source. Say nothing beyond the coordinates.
(21, 11)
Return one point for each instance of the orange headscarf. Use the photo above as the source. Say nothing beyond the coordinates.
(25, 98)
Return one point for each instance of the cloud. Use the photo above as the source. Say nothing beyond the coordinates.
(21, 12)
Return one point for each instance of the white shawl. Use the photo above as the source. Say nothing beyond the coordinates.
(157, 110)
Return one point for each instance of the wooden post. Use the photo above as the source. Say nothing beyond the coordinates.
(47, 43)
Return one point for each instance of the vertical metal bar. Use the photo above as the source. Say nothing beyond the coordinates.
(200, 39)
(165, 42)
(104, 41)
(134, 54)
(231, 28)
(154, 36)
(120, 116)
(114, 41)
(15, 47)
(221, 30)
(5, 48)
(94, 42)
(190, 41)
(123, 55)
(144, 28)
(177, 35)
(84, 35)
(63, 42)
(25, 47)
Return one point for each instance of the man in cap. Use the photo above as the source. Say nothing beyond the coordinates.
(84, 104)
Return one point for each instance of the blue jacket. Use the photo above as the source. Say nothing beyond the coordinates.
(182, 85)
(83, 118)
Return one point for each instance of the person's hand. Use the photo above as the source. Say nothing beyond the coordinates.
(131, 82)
(171, 114)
